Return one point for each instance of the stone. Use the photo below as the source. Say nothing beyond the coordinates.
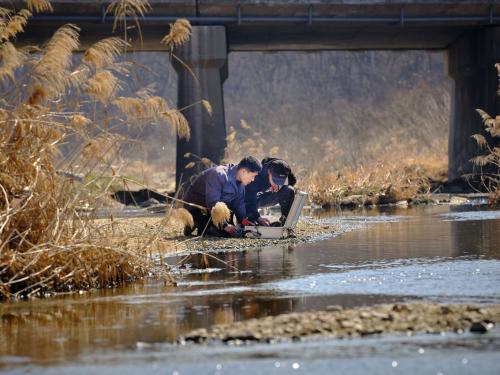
(481, 327)
(456, 200)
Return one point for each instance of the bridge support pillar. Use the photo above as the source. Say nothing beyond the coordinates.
(471, 60)
(206, 56)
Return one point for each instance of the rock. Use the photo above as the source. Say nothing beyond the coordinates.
(481, 327)
(353, 201)
(365, 314)
(446, 309)
(334, 308)
(456, 200)
(346, 324)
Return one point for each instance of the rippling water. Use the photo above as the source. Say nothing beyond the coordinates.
(444, 254)
(465, 280)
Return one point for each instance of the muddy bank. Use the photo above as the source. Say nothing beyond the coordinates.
(340, 323)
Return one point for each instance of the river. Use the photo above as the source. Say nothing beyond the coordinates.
(439, 253)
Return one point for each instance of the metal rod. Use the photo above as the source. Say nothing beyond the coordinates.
(264, 19)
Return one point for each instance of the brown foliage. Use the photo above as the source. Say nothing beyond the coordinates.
(49, 238)
(489, 161)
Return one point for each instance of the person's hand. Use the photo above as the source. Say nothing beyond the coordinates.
(274, 188)
(246, 222)
(231, 229)
(263, 221)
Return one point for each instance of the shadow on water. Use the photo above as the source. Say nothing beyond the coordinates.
(455, 251)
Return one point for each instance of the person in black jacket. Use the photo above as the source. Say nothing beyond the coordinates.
(273, 185)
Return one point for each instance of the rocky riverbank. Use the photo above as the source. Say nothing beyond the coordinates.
(343, 323)
(168, 238)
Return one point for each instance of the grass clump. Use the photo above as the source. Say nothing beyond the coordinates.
(382, 170)
(489, 161)
(55, 156)
(376, 182)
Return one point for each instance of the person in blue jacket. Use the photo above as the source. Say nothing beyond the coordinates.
(223, 183)
(273, 185)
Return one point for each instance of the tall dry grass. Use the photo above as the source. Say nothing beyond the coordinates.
(50, 240)
(488, 162)
(384, 169)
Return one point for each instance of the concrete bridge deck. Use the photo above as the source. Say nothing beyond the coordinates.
(292, 24)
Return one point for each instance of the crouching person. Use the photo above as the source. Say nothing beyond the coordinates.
(224, 183)
(273, 185)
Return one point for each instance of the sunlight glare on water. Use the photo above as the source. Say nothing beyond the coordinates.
(475, 280)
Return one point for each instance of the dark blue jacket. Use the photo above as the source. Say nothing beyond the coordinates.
(259, 184)
(218, 184)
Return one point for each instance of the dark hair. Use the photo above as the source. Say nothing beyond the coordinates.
(250, 163)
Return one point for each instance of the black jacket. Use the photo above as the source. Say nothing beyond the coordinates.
(259, 185)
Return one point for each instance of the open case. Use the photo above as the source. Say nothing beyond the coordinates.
(260, 231)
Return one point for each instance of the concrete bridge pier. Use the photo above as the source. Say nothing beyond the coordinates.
(206, 56)
(471, 60)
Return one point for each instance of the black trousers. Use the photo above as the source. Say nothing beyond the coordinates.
(284, 197)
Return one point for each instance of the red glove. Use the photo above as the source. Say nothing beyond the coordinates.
(231, 229)
(246, 222)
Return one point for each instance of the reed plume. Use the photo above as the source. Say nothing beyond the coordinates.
(179, 122)
(103, 86)
(11, 26)
(122, 9)
(104, 52)
(181, 217)
(51, 72)
(10, 59)
(208, 107)
(220, 214)
(39, 6)
(180, 32)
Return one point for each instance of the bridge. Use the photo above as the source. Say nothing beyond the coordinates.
(469, 30)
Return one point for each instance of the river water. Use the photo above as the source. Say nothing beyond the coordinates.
(437, 253)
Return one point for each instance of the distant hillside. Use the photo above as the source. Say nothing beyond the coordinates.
(351, 99)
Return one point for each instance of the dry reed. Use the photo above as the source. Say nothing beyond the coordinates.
(49, 238)
(489, 162)
(39, 6)
(179, 218)
(180, 32)
(220, 214)
(384, 170)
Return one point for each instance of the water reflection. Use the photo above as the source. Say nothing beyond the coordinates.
(68, 327)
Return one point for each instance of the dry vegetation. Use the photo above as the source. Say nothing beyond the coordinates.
(489, 162)
(383, 171)
(49, 240)
(351, 125)
(394, 176)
